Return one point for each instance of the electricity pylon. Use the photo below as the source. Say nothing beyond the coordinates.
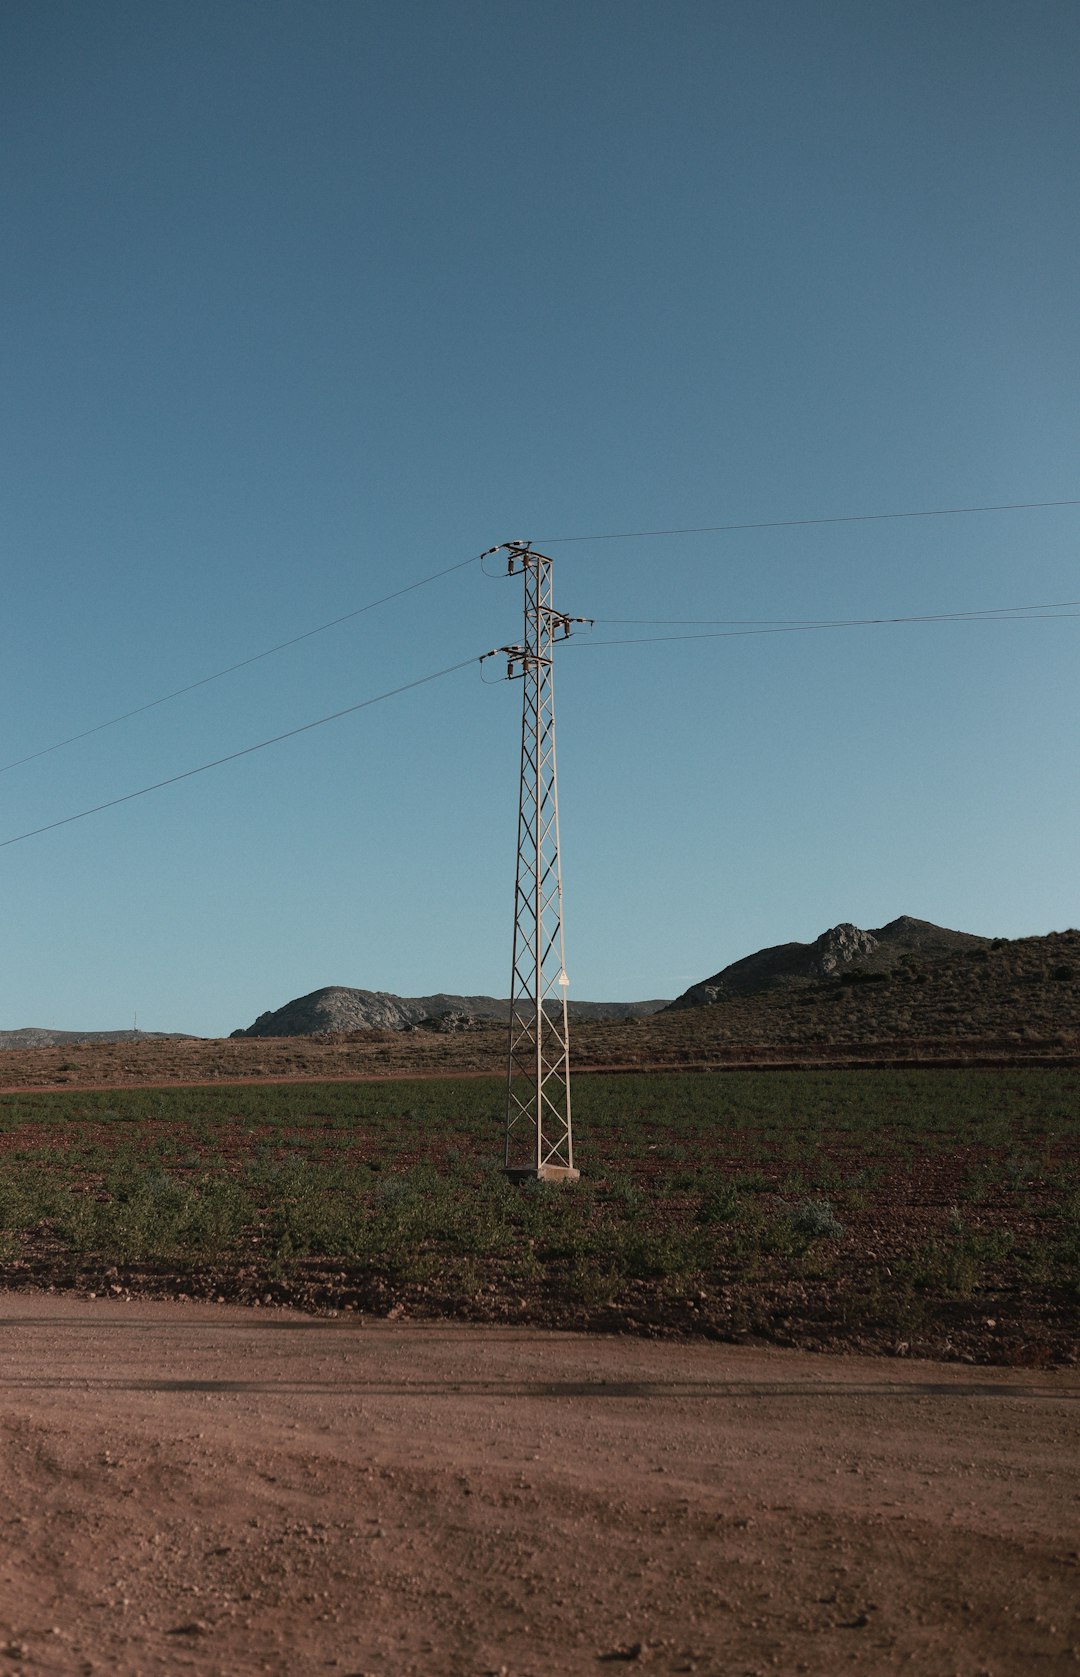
(539, 1134)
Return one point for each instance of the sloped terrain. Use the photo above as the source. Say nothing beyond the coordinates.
(1008, 999)
(841, 950)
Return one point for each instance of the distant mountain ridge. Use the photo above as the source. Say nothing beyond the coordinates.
(844, 950)
(31, 1036)
(338, 1008)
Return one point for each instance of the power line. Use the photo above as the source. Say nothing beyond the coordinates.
(839, 623)
(994, 614)
(462, 564)
(800, 523)
(1052, 611)
(256, 657)
(246, 751)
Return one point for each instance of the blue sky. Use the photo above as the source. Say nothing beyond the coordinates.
(303, 303)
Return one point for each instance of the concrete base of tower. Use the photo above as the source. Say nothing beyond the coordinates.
(541, 1173)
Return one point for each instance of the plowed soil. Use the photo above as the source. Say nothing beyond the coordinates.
(224, 1491)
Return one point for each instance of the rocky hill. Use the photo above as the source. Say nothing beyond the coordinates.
(337, 1008)
(843, 952)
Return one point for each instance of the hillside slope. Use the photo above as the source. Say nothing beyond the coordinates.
(843, 949)
(1004, 996)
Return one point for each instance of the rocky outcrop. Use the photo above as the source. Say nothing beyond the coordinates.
(449, 1024)
(337, 1008)
(843, 950)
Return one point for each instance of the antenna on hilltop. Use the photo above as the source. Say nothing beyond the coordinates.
(539, 1134)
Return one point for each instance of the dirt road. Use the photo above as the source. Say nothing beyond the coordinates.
(186, 1488)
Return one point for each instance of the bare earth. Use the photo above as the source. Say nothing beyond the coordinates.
(190, 1488)
(696, 1040)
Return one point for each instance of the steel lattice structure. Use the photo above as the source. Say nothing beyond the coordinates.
(539, 1133)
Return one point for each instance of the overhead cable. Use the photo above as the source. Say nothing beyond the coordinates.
(800, 523)
(1001, 614)
(462, 564)
(995, 614)
(255, 658)
(246, 751)
(805, 628)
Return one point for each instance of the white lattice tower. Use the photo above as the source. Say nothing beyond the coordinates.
(539, 1134)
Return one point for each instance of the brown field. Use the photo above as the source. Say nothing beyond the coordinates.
(421, 1476)
(689, 1041)
(917, 1211)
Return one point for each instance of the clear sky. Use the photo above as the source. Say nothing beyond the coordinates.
(301, 303)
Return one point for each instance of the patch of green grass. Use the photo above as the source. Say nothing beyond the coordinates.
(956, 1263)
